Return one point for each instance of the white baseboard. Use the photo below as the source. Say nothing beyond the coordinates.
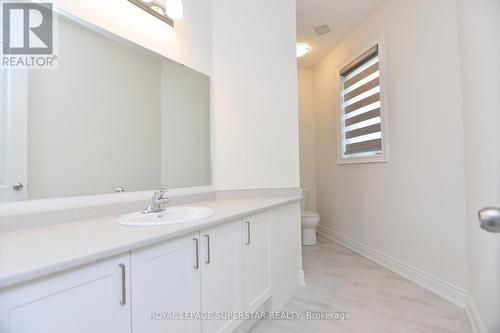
(437, 286)
(474, 317)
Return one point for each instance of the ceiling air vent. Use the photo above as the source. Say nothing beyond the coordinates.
(322, 29)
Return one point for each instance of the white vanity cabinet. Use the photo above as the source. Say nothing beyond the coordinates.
(94, 298)
(194, 283)
(257, 260)
(198, 274)
(166, 283)
(221, 275)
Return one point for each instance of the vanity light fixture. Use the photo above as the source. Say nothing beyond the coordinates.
(302, 49)
(165, 10)
(174, 9)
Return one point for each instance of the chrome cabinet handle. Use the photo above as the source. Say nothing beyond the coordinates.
(197, 242)
(248, 233)
(208, 249)
(123, 300)
(489, 218)
(18, 187)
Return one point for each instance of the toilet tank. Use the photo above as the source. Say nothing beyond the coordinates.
(305, 196)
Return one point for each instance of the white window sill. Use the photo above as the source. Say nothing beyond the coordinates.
(358, 160)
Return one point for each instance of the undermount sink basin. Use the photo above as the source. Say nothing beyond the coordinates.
(171, 215)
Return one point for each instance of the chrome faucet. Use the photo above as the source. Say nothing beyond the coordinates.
(158, 203)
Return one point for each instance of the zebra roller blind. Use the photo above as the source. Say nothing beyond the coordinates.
(361, 107)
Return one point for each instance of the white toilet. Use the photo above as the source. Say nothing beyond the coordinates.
(309, 221)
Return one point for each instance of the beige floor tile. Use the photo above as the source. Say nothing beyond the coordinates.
(378, 300)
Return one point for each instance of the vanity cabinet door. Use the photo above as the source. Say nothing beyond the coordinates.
(257, 260)
(94, 298)
(222, 282)
(166, 283)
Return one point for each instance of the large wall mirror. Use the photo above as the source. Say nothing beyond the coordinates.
(111, 115)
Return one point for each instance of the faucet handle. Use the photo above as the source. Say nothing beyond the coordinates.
(159, 194)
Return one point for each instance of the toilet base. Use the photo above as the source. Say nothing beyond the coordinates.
(309, 236)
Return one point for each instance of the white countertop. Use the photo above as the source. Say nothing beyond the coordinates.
(27, 254)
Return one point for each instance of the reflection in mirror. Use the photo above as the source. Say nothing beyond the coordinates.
(3, 180)
(114, 115)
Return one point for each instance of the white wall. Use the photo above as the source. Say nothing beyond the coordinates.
(480, 48)
(306, 133)
(190, 42)
(256, 142)
(411, 208)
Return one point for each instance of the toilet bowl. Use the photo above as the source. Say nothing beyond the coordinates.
(309, 222)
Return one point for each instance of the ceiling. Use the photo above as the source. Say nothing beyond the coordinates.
(343, 16)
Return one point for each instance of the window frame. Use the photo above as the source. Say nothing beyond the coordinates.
(384, 156)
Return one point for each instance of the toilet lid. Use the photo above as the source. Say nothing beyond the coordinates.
(309, 214)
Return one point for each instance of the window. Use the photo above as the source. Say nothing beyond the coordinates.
(361, 113)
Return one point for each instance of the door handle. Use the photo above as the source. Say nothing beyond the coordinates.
(208, 249)
(249, 240)
(489, 218)
(197, 242)
(18, 187)
(123, 300)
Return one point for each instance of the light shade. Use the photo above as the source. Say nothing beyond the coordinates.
(174, 9)
(302, 49)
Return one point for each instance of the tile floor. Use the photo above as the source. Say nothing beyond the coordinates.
(378, 300)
